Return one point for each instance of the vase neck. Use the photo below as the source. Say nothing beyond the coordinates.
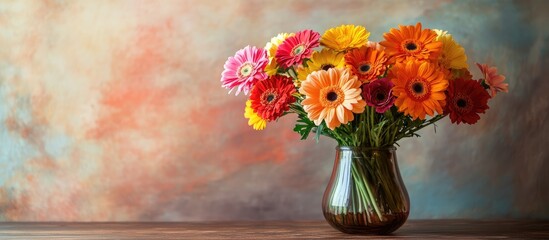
(353, 148)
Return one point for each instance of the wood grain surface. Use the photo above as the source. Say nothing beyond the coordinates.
(413, 229)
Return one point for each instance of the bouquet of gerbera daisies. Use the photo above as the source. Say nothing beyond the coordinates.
(366, 96)
(357, 92)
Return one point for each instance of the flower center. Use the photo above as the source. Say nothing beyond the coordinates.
(326, 66)
(380, 96)
(410, 46)
(246, 70)
(364, 68)
(268, 97)
(298, 50)
(331, 96)
(418, 89)
(463, 103)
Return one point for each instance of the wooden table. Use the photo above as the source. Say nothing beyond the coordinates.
(413, 229)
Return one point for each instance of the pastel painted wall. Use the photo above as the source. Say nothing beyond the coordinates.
(113, 111)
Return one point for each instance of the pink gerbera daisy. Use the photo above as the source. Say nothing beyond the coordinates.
(296, 48)
(244, 69)
(493, 79)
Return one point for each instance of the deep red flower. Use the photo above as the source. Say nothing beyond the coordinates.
(466, 98)
(379, 94)
(272, 97)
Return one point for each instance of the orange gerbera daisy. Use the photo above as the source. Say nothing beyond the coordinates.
(332, 96)
(419, 88)
(411, 42)
(366, 63)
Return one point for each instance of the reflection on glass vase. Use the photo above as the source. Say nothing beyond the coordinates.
(365, 194)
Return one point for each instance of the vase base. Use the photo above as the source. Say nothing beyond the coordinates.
(365, 224)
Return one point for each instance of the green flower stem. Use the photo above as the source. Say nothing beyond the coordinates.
(360, 185)
(395, 130)
(296, 108)
(360, 177)
(410, 131)
(339, 139)
(372, 121)
(369, 191)
(358, 199)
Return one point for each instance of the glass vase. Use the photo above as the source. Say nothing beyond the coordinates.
(366, 194)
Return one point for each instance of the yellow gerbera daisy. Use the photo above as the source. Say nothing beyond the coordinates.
(322, 60)
(345, 37)
(271, 48)
(453, 55)
(272, 67)
(255, 120)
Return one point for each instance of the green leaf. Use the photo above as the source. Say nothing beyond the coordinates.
(319, 131)
(304, 127)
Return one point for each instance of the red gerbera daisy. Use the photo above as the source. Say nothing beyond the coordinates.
(272, 97)
(466, 98)
(296, 48)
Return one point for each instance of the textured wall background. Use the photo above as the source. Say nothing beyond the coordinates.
(113, 110)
